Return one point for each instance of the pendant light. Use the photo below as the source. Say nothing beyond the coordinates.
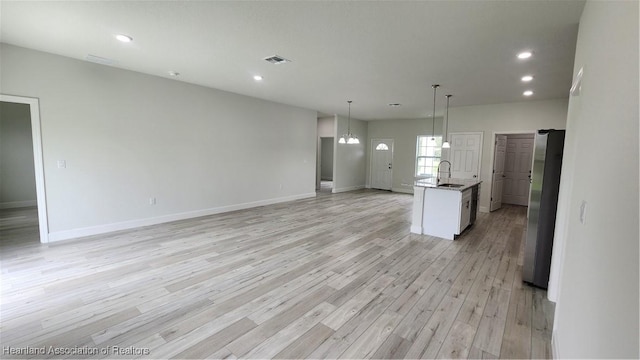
(445, 144)
(433, 117)
(349, 138)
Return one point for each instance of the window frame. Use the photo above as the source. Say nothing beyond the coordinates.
(436, 159)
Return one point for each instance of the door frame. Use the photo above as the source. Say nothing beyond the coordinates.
(493, 154)
(371, 150)
(38, 162)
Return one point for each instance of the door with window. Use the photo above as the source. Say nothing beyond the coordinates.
(381, 164)
(465, 153)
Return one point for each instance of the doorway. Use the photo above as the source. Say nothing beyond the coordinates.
(381, 164)
(22, 166)
(326, 164)
(511, 175)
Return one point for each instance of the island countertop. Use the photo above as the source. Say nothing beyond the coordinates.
(431, 183)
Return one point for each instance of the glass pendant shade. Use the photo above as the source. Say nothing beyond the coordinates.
(349, 138)
(446, 145)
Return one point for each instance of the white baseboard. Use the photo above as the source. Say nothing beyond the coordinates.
(402, 190)
(554, 346)
(416, 229)
(483, 209)
(101, 229)
(18, 204)
(345, 189)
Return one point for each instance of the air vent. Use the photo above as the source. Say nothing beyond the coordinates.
(277, 59)
(99, 60)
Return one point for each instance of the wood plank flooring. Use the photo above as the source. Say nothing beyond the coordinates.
(336, 276)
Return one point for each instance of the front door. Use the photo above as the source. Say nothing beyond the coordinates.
(381, 163)
(497, 180)
(465, 155)
(517, 169)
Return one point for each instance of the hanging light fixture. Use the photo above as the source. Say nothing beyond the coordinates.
(349, 138)
(433, 117)
(445, 144)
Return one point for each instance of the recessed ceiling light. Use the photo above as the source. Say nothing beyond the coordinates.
(527, 78)
(527, 93)
(173, 73)
(257, 78)
(124, 38)
(395, 105)
(525, 55)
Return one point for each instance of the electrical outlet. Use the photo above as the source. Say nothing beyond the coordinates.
(152, 201)
(62, 164)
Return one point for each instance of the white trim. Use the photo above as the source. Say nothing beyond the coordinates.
(483, 209)
(416, 229)
(345, 189)
(101, 229)
(18, 204)
(38, 162)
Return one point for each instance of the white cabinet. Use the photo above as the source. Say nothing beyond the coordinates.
(445, 212)
(465, 211)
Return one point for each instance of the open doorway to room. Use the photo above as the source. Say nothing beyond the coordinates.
(22, 202)
(512, 164)
(326, 164)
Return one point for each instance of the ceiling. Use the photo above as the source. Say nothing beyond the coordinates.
(374, 53)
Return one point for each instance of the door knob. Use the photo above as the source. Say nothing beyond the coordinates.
(475, 176)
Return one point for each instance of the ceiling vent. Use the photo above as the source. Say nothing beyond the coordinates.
(99, 60)
(277, 59)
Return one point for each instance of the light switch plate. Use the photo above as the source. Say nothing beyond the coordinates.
(62, 164)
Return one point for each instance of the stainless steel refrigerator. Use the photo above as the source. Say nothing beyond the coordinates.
(543, 201)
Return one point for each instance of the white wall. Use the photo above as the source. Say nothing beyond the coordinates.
(127, 137)
(597, 310)
(511, 117)
(17, 175)
(404, 133)
(350, 160)
(327, 126)
(525, 116)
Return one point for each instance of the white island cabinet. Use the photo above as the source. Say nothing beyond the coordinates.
(444, 211)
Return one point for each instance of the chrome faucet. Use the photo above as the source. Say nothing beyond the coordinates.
(438, 174)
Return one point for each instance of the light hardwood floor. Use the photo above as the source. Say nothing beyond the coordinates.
(336, 276)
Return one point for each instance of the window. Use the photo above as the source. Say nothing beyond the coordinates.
(382, 146)
(428, 156)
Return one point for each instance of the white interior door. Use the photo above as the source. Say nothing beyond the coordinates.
(517, 169)
(465, 152)
(497, 180)
(381, 163)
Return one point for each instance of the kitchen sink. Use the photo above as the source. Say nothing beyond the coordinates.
(451, 185)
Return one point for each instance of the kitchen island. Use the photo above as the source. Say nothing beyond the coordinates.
(444, 209)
